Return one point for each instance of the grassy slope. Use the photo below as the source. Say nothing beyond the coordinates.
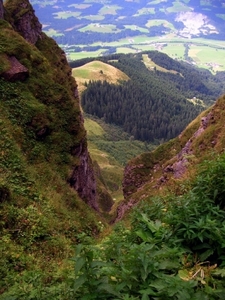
(41, 216)
(149, 168)
(97, 70)
(109, 146)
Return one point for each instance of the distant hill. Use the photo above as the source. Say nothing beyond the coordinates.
(97, 70)
(162, 96)
(186, 29)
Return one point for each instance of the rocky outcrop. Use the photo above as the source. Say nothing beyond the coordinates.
(1, 10)
(16, 72)
(137, 174)
(82, 178)
(24, 20)
(132, 179)
(122, 209)
(180, 166)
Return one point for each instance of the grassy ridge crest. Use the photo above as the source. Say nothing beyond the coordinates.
(97, 70)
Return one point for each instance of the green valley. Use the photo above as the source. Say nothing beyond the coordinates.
(87, 210)
(180, 29)
(157, 101)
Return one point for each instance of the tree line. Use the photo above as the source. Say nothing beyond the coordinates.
(152, 105)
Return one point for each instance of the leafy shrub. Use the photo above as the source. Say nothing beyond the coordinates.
(172, 250)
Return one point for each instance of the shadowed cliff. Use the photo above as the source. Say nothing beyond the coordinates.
(35, 63)
(48, 193)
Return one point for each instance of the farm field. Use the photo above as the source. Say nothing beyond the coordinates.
(205, 54)
(90, 28)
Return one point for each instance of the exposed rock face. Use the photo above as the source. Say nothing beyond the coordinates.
(16, 72)
(1, 10)
(132, 179)
(136, 175)
(180, 166)
(25, 21)
(123, 208)
(82, 178)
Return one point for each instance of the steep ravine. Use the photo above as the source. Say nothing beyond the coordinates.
(157, 169)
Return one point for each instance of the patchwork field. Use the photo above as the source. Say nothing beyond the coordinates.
(113, 26)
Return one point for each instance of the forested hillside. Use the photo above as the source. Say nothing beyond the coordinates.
(155, 104)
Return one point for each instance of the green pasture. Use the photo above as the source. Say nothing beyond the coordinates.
(178, 7)
(171, 39)
(53, 33)
(109, 10)
(93, 17)
(222, 16)
(174, 50)
(100, 28)
(87, 70)
(159, 22)
(66, 14)
(134, 27)
(111, 44)
(80, 6)
(135, 40)
(208, 57)
(201, 50)
(145, 11)
(213, 43)
(141, 47)
(93, 128)
(82, 73)
(79, 55)
(125, 50)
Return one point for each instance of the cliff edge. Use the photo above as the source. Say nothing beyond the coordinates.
(34, 64)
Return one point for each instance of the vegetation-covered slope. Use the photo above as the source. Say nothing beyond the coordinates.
(163, 169)
(172, 247)
(43, 156)
(97, 70)
(157, 102)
